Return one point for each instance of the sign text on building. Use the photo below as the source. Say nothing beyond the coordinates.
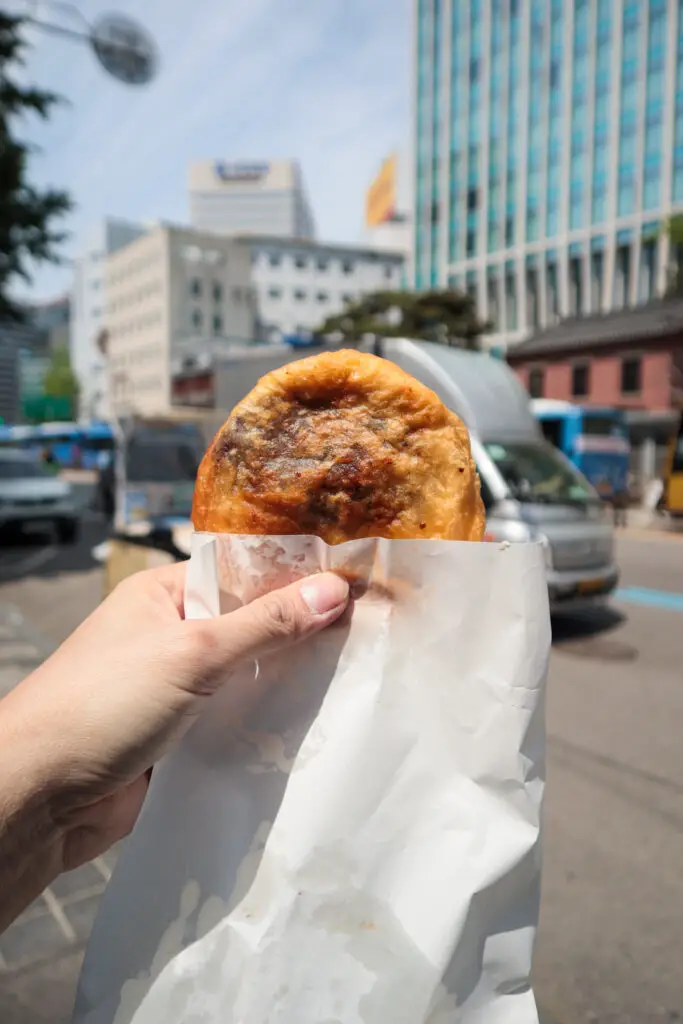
(240, 172)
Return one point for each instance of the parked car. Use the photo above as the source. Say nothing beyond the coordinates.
(32, 499)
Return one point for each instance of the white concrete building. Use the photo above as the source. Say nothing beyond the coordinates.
(87, 311)
(299, 283)
(252, 197)
(171, 294)
(395, 236)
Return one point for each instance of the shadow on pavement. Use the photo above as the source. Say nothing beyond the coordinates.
(585, 625)
(39, 554)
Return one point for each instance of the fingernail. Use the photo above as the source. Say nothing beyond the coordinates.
(324, 593)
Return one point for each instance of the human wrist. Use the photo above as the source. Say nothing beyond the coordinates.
(31, 836)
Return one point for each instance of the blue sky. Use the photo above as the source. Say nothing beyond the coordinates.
(323, 81)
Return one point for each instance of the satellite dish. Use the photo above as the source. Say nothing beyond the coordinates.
(124, 49)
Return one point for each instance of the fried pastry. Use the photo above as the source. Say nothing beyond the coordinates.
(340, 445)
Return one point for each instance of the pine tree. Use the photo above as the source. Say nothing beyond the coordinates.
(27, 214)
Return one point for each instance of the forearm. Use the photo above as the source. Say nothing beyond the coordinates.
(30, 842)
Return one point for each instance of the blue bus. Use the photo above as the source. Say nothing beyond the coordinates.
(594, 439)
(71, 445)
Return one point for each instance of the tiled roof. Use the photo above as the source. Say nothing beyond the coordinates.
(659, 319)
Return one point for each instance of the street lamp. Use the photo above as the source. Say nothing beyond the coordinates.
(124, 49)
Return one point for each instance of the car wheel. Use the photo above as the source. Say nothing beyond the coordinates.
(68, 532)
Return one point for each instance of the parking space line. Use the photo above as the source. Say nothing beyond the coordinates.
(60, 917)
(103, 868)
(32, 562)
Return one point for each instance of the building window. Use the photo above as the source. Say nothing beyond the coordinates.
(622, 276)
(217, 291)
(347, 267)
(197, 319)
(237, 294)
(275, 293)
(322, 296)
(580, 380)
(322, 264)
(299, 295)
(631, 374)
(347, 298)
(597, 265)
(388, 270)
(575, 287)
(536, 382)
(510, 302)
(300, 262)
(195, 287)
(217, 323)
(275, 259)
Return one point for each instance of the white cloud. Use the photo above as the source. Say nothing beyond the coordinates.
(323, 81)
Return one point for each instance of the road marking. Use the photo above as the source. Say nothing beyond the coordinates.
(58, 914)
(666, 599)
(650, 535)
(33, 561)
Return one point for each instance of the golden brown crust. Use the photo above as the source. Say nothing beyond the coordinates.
(340, 445)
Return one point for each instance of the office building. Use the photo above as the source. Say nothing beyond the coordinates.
(250, 197)
(299, 283)
(171, 295)
(11, 336)
(548, 153)
(54, 317)
(87, 311)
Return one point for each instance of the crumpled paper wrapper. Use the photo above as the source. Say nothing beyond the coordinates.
(350, 833)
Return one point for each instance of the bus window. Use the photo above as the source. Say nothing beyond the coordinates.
(602, 426)
(552, 432)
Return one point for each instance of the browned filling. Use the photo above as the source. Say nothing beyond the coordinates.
(316, 461)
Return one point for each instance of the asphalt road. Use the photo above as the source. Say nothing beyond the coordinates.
(610, 943)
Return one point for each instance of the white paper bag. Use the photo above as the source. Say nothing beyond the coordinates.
(362, 844)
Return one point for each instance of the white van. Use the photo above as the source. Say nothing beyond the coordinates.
(531, 491)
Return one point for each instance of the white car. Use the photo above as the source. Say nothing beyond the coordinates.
(33, 499)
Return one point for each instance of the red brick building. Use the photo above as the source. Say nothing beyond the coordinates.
(631, 359)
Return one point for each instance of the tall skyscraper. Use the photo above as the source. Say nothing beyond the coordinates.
(258, 198)
(549, 153)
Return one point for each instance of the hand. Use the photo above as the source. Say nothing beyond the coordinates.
(78, 736)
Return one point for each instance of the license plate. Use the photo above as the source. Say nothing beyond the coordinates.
(591, 586)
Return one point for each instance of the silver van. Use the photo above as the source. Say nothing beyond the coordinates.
(531, 491)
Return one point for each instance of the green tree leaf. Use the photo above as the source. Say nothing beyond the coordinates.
(445, 317)
(27, 214)
(60, 380)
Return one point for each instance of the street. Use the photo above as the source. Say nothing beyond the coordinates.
(611, 932)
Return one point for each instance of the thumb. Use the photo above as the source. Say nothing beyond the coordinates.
(276, 620)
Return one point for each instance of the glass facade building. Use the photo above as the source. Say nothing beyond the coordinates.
(548, 153)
